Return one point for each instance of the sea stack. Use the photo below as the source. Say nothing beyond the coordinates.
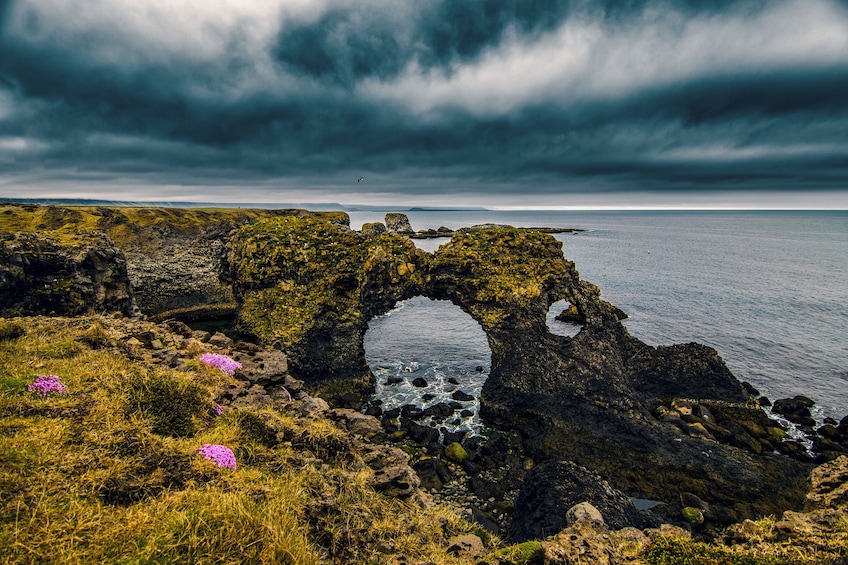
(398, 223)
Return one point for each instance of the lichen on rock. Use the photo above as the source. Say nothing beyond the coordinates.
(310, 286)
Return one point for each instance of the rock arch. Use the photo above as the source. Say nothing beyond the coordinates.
(310, 287)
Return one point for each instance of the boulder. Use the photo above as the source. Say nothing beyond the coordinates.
(553, 488)
(466, 546)
(392, 474)
(373, 229)
(455, 452)
(583, 512)
(398, 223)
(462, 396)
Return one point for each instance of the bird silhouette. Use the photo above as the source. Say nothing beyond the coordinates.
(360, 179)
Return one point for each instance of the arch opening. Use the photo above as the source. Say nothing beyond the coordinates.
(563, 319)
(430, 360)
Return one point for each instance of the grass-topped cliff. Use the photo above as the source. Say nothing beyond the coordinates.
(174, 256)
(136, 228)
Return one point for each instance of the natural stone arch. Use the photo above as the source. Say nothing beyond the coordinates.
(310, 288)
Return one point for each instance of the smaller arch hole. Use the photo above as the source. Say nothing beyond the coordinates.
(563, 319)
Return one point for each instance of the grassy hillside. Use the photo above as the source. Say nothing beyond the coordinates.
(110, 471)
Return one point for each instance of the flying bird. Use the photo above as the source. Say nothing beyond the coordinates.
(360, 179)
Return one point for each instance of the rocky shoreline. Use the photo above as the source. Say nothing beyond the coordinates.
(684, 431)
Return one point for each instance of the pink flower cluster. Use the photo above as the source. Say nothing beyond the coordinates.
(218, 409)
(223, 362)
(222, 456)
(45, 385)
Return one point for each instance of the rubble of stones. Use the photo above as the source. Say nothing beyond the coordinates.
(758, 432)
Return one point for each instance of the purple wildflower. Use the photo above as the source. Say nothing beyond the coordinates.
(221, 455)
(45, 385)
(218, 409)
(223, 362)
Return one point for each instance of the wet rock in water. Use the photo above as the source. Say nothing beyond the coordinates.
(428, 397)
(796, 410)
(411, 411)
(466, 413)
(451, 437)
(421, 434)
(393, 380)
(419, 382)
(462, 396)
(439, 412)
(453, 381)
(479, 368)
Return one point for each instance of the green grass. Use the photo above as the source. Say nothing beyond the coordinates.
(110, 472)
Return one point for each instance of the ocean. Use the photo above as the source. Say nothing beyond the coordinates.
(767, 289)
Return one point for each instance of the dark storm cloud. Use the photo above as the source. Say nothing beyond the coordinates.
(547, 95)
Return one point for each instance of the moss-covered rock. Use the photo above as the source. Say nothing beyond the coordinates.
(175, 257)
(309, 287)
(455, 452)
(62, 273)
(693, 516)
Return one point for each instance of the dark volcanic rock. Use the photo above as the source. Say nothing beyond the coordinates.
(462, 396)
(76, 275)
(552, 488)
(796, 410)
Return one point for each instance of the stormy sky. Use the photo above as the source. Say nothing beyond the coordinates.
(438, 102)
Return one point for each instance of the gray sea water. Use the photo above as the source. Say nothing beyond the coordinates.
(768, 290)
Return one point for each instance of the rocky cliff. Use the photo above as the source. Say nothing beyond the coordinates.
(70, 274)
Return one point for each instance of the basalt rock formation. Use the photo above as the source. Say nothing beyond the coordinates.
(174, 258)
(67, 275)
(310, 288)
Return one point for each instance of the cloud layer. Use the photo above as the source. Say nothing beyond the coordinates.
(242, 100)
